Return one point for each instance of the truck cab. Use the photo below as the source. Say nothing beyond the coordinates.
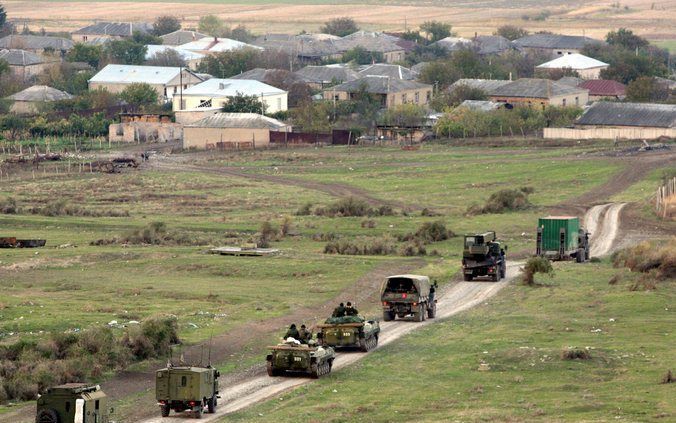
(408, 295)
(483, 255)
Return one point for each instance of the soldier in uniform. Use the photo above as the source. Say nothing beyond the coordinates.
(305, 334)
(433, 290)
(292, 332)
(339, 311)
(350, 311)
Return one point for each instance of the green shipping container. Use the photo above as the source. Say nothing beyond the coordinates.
(551, 232)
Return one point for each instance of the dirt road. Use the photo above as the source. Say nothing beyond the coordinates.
(603, 223)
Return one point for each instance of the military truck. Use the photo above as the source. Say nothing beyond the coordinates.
(483, 255)
(408, 295)
(349, 332)
(73, 403)
(293, 357)
(562, 238)
(187, 388)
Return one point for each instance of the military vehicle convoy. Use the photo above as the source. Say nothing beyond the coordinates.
(562, 238)
(294, 357)
(408, 295)
(73, 403)
(349, 332)
(187, 388)
(483, 255)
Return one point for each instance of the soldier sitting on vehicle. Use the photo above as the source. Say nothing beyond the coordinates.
(350, 311)
(305, 336)
(292, 332)
(339, 311)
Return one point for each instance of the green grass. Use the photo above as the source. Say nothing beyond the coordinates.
(432, 375)
(668, 44)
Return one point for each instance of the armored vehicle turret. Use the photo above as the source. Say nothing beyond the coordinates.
(293, 357)
(73, 403)
(187, 388)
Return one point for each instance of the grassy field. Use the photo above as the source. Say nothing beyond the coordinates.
(433, 374)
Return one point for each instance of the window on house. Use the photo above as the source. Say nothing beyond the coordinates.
(336, 97)
(563, 103)
(417, 97)
(165, 91)
(429, 96)
(577, 101)
(67, 406)
(279, 104)
(403, 98)
(184, 381)
(96, 404)
(559, 53)
(175, 90)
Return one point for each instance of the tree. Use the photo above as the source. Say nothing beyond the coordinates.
(145, 38)
(312, 116)
(404, 115)
(626, 65)
(87, 53)
(126, 52)
(340, 27)
(511, 32)
(229, 63)
(244, 104)
(210, 25)
(239, 33)
(626, 38)
(140, 95)
(436, 30)
(555, 74)
(168, 57)
(66, 77)
(3, 16)
(439, 73)
(165, 25)
(646, 89)
(361, 56)
(453, 98)
(4, 67)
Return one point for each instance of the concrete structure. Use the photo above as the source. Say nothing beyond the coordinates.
(376, 42)
(610, 120)
(554, 44)
(167, 81)
(180, 37)
(216, 92)
(532, 92)
(586, 67)
(29, 100)
(138, 128)
(110, 31)
(216, 45)
(603, 89)
(26, 65)
(320, 77)
(390, 92)
(37, 44)
(191, 58)
(230, 131)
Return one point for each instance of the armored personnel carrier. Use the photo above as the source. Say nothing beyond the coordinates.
(404, 295)
(293, 357)
(187, 388)
(349, 332)
(73, 403)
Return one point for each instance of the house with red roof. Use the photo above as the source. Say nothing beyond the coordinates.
(604, 89)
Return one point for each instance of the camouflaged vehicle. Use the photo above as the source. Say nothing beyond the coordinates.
(349, 332)
(408, 295)
(187, 388)
(291, 357)
(73, 403)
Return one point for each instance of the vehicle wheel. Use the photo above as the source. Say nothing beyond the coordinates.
(579, 257)
(503, 271)
(423, 311)
(432, 311)
(587, 253)
(198, 414)
(314, 371)
(271, 371)
(388, 315)
(418, 316)
(165, 409)
(495, 276)
(467, 277)
(47, 416)
(211, 405)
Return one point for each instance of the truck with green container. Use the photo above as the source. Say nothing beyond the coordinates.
(187, 388)
(562, 238)
(73, 403)
(349, 332)
(408, 295)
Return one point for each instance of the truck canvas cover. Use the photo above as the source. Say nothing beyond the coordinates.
(401, 286)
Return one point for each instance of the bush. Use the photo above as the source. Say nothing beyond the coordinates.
(9, 206)
(305, 210)
(63, 208)
(266, 234)
(575, 354)
(368, 223)
(347, 207)
(536, 265)
(503, 201)
(656, 261)
(157, 233)
(362, 246)
(429, 232)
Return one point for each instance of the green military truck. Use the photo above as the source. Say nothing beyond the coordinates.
(187, 388)
(408, 295)
(295, 358)
(349, 332)
(483, 255)
(73, 403)
(562, 238)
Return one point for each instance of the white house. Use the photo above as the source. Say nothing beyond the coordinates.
(192, 59)
(216, 92)
(586, 67)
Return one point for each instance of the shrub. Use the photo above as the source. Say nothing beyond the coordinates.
(286, 227)
(659, 261)
(304, 210)
(347, 207)
(266, 234)
(429, 232)
(667, 378)
(157, 233)
(325, 236)
(536, 265)
(63, 208)
(575, 354)
(9, 206)
(368, 223)
(503, 201)
(362, 246)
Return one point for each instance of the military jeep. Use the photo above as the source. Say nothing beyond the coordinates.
(187, 388)
(73, 403)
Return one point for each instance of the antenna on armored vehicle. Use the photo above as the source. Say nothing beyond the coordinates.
(211, 337)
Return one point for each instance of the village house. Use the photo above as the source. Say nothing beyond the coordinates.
(231, 131)
(303, 48)
(142, 127)
(533, 92)
(390, 91)
(384, 69)
(37, 44)
(586, 67)
(167, 81)
(191, 58)
(110, 31)
(612, 120)
(215, 45)
(24, 64)
(452, 44)
(320, 77)
(491, 44)
(29, 101)
(554, 44)
(488, 86)
(180, 37)
(376, 42)
(604, 89)
(216, 92)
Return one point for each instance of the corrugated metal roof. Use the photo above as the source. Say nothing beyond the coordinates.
(629, 114)
(383, 69)
(238, 120)
(16, 57)
(270, 76)
(454, 43)
(535, 88)
(492, 44)
(40, 93)
(302, 45)
(119, 29)
(179, 37)
(573, 61)
(129, 74)
(486, 85)
(554, 41)
(216, 45)
(379, 85)
(217, 87)
(153, 49)
(573, 81)
(370, 41)
(327, 74)
(604, 87)
(35, 42)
